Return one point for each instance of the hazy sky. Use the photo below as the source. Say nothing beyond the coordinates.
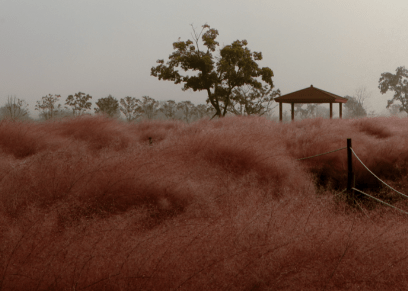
(103, 47)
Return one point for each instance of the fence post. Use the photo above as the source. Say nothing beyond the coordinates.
(350, 175)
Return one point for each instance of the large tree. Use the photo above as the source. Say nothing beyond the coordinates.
(131, 108)
(217, 75)
(79, 103)
(398, 83)
(108, 105)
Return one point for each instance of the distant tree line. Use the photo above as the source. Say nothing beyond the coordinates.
(244, 101)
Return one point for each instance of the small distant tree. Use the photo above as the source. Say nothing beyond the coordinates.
(310, 111)
(79, 103)
(322, 111)
(395, 109)
(361, 94)
(150, 107)
(131, 108)
(169, 108)
(108, 105)
(299, 111)
(398, 83)
(204, 110)
(372, 113)
(188, 110)
(48, 107)
(354, 107)
(15, 108)
(250, 101)
(286, 117)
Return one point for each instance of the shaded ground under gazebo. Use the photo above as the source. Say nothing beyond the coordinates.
(310, 95)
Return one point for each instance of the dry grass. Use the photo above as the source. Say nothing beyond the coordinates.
(88, 204)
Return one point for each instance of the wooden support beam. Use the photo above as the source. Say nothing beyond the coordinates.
(331, 110)
(340, 109)
(350, 174)
(280, 111)
(293, 110)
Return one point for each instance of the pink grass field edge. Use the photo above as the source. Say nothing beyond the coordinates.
(89, 204)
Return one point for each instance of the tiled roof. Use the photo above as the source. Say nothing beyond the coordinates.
(311, 95)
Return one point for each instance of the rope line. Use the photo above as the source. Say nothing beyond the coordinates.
(341, 192)
(380, 200)
(322, 154)
(377, 177)
(362, 209)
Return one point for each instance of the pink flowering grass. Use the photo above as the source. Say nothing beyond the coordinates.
(89, 204)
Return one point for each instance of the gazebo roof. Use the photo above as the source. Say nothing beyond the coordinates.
(311, 95)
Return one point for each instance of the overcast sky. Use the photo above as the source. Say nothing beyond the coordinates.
(103, 47)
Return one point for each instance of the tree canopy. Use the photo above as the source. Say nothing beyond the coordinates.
(131, 107)
(108, 105)
(79, 103)
(217, 75)
(354, 108)
(169, 109)
(398, 83)
(15, 108)
(188, 109)
(48, 106)
(150, 107)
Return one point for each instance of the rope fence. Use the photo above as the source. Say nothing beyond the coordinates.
(376, 176)
(322, 154)
(350, 188)
(379, 200)
(362, 209)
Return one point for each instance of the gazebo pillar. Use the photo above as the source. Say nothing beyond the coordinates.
(293, 110)
(340, 110)
(280, 111)
(331, 110)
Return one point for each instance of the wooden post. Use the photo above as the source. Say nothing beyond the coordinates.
(350, 175)
(150, 141)
(293, 110)
(280, 111)
(340, 109)
(331, 110)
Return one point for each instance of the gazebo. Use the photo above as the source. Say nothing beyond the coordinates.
(310, 95)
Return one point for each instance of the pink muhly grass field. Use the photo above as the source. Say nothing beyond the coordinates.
(89, 204)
